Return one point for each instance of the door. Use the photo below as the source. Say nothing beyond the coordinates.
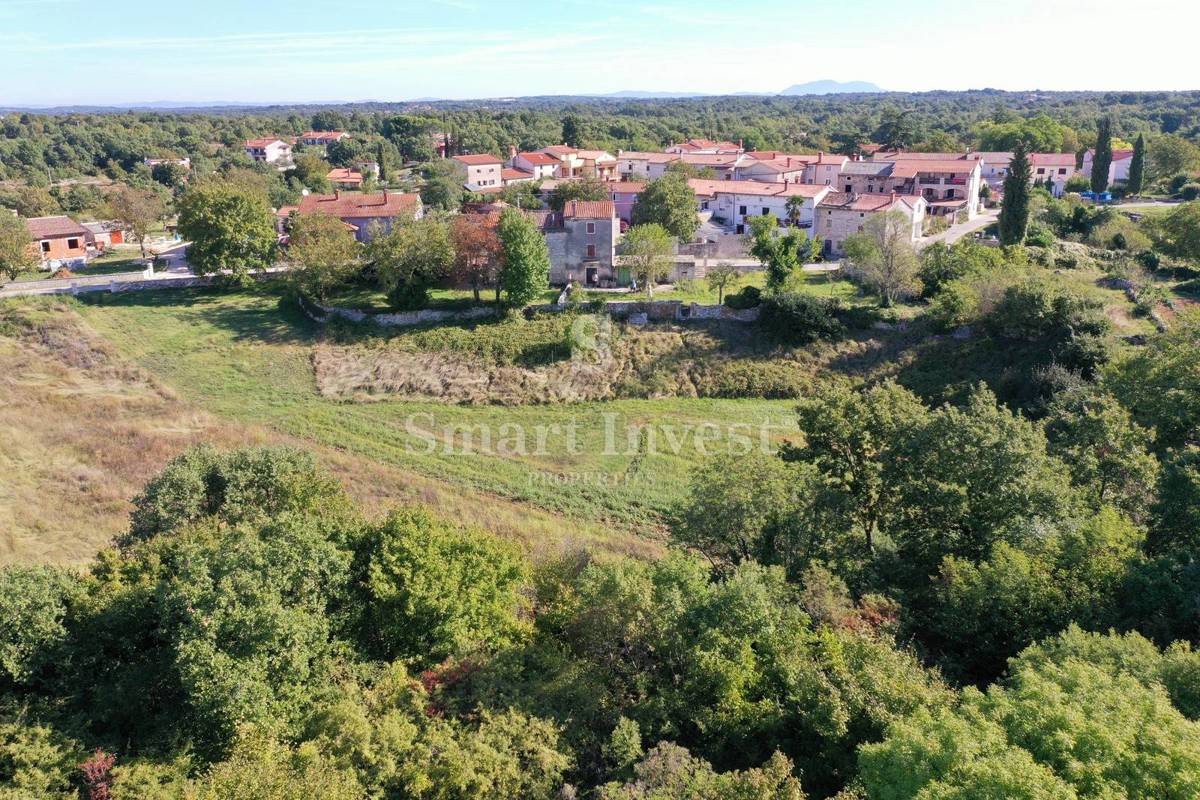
(591, 276)
(623, 276)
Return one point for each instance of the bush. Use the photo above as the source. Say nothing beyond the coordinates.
(1076, 184)
(1039, 236)
(1149, 260)
(748, 297)
(791, 318)
(740, 378)
(1190, 191)
(955, 305)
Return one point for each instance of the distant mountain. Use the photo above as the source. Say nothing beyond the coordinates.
(832, 87)
(643, 95)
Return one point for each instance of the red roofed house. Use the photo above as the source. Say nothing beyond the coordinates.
(705, 146)
(510, 176)
(479, 172)
(1118, 170)
(624, 195)
(733, 203)
(824, 169)
(268, 150)
(59, 241)
(773, 167)
(322, 138)
(344, 178)
(840, 215)
(364, 212)
(583, 243)
(539, 165)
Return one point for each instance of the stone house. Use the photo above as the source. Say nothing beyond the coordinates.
(583, 243)
(840, 215)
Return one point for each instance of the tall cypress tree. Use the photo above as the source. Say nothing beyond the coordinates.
(1103, 157)
(1014, 213)
(1137, 166)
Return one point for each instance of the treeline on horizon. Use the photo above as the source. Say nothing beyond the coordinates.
(40, 148)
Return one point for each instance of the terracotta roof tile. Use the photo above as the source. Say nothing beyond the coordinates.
(478, 159)
(354, 204)
(54, 227)
(589, 209)
(538, 159)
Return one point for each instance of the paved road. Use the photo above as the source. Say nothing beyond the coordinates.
(956, 232)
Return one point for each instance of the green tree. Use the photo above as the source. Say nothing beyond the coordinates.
(436, 590)
(897, 128)
(34, 602)
(722, 277)
(1106, 452)
(17, 252)
(1176, 527)
(647, 250)
(1102, 155)
(1014, 211)
(1172, 155)
(1052, 730)
(323, 253)
(585, 188)
(1177, 233)
(885, 254)
(139, 209)
(670, 772)
(441, 186)
(668, 201)
(230, 227)
(571, 131)
(411, 258)
(234, 486)
(525, 259)
(312, 171)
(779, 254)
(1137, 166)
(735, 505)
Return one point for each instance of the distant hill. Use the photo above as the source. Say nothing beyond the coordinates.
(832, 87)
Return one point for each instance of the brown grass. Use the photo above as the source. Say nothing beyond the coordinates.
(82, 429)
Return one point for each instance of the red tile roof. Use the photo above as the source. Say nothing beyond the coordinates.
(538, 159)
(559, 150)
(344, 175)
(866, 202)
(55, 227)
(508, 174)
(910, 168)
(589, 209)
(263, 141)
(479, 159)
(654, 158)
(348, 205)
(625, 187)
(708, 188)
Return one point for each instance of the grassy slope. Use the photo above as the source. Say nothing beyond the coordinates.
(243, 358)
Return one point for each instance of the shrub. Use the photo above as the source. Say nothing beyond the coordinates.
(770, 380)
(1039, 236)
(1190, 191)
(955, 305)
(748, 297)
(792, 318)
(1037, 310)
(1076, 184)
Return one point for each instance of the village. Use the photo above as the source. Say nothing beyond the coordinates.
(827, 196)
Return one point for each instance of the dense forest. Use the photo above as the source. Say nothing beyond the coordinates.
(37, 148)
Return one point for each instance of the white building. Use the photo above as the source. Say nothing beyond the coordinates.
(735, 202)
(269, 150)
(1118, 170)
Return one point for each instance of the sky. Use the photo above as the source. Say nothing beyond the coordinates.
(64, 52)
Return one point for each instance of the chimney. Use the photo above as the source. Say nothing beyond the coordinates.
(337, 194)
(512, 152)
(385, 195)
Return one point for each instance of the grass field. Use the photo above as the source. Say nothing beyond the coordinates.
(245, 358)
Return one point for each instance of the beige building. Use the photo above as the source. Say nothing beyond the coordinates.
(479, 172)
(735, 203)
(840, 215)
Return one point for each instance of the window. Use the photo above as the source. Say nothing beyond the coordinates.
(1062, 171)
(1041, 171)
(742, 210)
(45, 247)
(591, 251)
(870, 189)
(591, 227)
(765, 211)
(861, 214)
(72, 244)
(849, 188)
